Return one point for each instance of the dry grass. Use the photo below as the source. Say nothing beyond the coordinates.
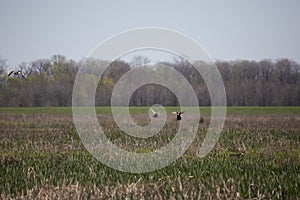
(170, 189)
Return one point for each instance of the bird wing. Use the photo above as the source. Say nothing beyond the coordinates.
(152, 110)
(10, 73)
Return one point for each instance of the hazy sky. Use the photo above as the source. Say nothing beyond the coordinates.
(228, 30)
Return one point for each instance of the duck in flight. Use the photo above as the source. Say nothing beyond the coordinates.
(178, 115)
(155, 114)
(16, 73)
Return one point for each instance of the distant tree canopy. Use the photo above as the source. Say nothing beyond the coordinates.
(50, 82)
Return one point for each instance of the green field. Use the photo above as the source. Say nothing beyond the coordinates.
(246, 110)
(256, 157)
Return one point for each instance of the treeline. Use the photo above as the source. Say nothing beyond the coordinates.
(50, 82)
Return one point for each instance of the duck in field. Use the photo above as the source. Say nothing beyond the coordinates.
(178, 115)
(155, 114)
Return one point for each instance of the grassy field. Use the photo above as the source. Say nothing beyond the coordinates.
(256, 157)
(246, 110)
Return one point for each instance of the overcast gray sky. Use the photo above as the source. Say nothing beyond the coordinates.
(228, 30)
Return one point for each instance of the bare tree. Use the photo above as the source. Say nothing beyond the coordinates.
(139, 60)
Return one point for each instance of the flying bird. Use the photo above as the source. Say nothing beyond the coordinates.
(16, 73)
(155, 114)
(178, 115)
